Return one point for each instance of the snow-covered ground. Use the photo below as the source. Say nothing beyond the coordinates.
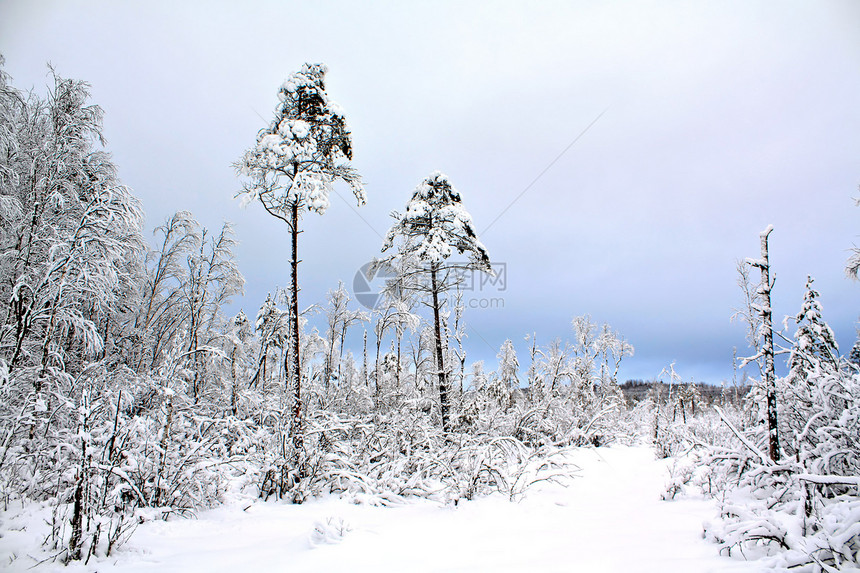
(610, 518)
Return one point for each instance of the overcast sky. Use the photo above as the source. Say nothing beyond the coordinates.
(713, 120)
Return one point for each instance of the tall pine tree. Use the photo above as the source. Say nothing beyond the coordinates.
(291, 169)
(434, 225)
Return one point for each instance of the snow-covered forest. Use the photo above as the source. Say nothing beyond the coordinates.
(129, 395)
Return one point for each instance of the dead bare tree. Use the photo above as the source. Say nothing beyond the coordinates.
(759, 302)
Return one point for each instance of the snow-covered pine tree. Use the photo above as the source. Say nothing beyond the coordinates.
(814, 342)
(854, 355)
(434, 225)
(814, 356)
(291, 169)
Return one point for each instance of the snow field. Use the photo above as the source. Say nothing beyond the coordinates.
(609, 519)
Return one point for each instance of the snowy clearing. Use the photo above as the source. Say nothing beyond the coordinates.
(610, 518)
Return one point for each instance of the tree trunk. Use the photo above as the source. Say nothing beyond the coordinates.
(767, 323)
(234, 390)
(365, 373)
(158, 493)
(22, 313)
(328, 360)
(377, 392)
(340, 355)
(77, 521)
(293, 357)
(397, 372)
(106, 337)
(440, 362)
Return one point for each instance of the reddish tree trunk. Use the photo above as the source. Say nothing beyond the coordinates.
(294, 365)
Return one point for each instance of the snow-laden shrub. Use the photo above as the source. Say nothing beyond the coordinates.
(804, 509)
(575, 416)
(63, 448)
(677, 438)
(109, 448)
(385, 459)
(330, 531)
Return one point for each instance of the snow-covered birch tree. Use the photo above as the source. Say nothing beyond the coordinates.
(336, 314)
(505, 381)
(213, 277)
(161, 313)
(290, 169)
(391, 315)
(71, 231)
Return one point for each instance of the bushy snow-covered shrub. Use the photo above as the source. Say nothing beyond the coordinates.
(69, 455)
(383, 460)
(110, 448)
(803, 509)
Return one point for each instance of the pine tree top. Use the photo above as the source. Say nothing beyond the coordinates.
(815, 344)
(435, 224)
(304, 149)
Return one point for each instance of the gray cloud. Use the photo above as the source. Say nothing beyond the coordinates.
(721, 118)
